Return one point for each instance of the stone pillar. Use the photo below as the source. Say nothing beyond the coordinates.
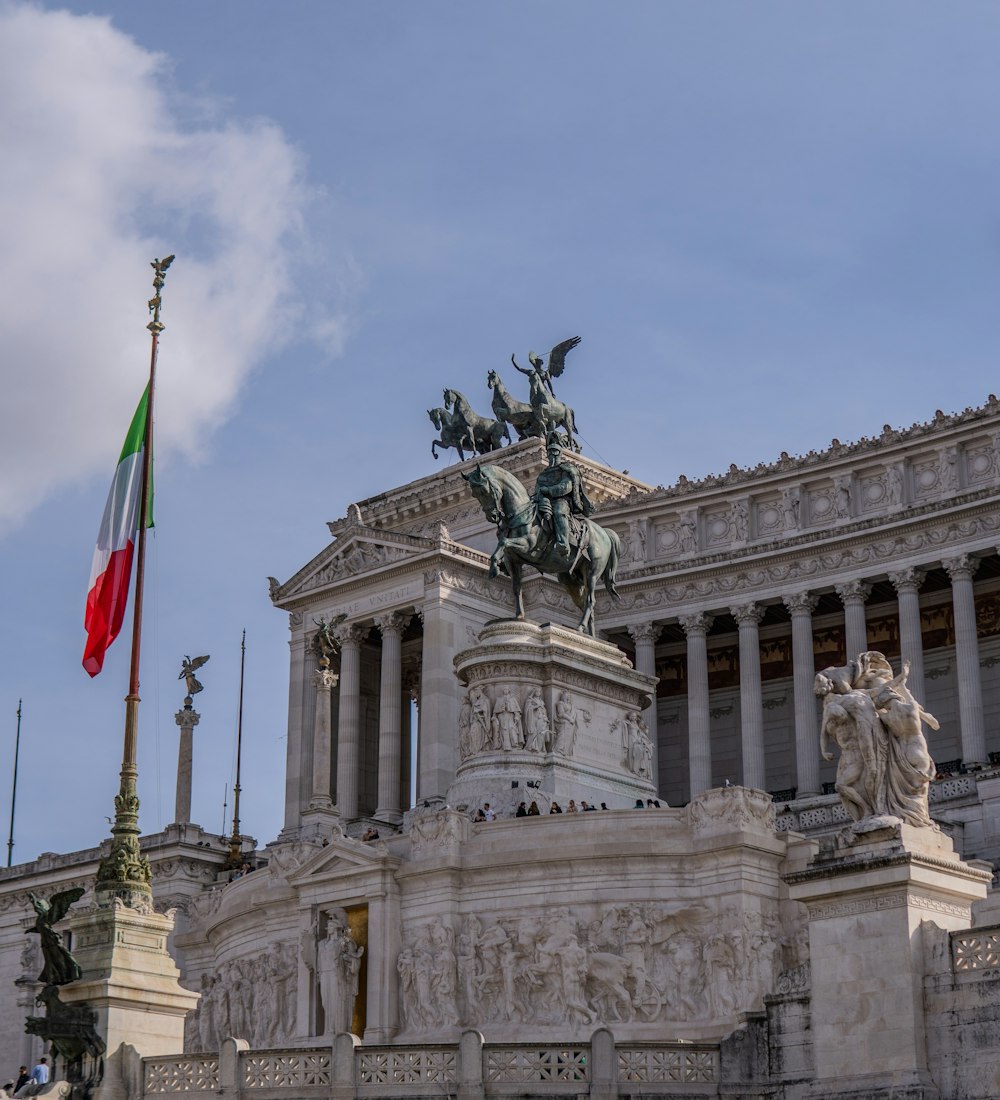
(349, 718)
(696, 627)
(907, 583)
(644, 635)
(970, 695)
(748, 617)
(853, 594)
(801, 605)
(296, 793)
(187, 719)
(409, 702)
(384, 945)
(437, 746)
(391, 627)
(867, 899)
(324, 682)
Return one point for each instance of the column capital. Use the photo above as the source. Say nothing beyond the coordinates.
(700, 622)
(187, 716)
(962, 567)
(800, 603)
(351, 633)
(907, 580)
(325, 680)
(747, 613)
(644, 632)
(856, 592)
(393, 622)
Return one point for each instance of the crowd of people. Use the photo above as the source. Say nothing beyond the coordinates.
(526, 809)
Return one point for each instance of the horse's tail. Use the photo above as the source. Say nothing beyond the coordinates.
(608, 576)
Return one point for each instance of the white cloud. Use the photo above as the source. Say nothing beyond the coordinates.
(98, 175)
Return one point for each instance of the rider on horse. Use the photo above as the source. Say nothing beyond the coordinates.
(559, 495)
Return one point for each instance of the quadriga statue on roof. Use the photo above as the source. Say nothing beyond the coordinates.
(549, 530)
(885, 768)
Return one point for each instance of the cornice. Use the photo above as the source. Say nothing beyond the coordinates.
(891, 445)
(867, 547)
(444, 488)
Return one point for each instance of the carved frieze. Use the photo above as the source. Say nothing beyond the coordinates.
(253, 997)
(606, 965)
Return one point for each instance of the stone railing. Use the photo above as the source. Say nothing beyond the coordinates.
(596, 1068)
(825, 813)
(976, 954)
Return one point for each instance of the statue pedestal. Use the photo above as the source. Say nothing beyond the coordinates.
(129, 979)
(592, 696)
(868, 891)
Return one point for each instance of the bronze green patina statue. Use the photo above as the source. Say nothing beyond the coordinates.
(60, 968)
(549, 530)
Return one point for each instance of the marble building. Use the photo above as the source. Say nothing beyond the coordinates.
(726, 943)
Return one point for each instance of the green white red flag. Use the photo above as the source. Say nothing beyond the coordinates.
(112, 566)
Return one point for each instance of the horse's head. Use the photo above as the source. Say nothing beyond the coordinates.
(487, 491)
(435, 415)
(492, 378)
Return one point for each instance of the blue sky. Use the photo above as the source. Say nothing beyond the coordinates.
(772, 224)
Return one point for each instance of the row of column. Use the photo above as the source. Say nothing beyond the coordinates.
(800, 606)
(390, 728)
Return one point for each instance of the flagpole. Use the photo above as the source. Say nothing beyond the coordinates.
(235, 860)
(13, 793)
(124, 873)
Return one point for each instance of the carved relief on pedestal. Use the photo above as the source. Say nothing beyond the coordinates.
(725, 808)
(636, 743)
(428, 978)
(567, 723)
(622, 965)
(251, 998)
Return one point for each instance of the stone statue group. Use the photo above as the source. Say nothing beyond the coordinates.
(508, 725)
(466, 431)
(885, 768)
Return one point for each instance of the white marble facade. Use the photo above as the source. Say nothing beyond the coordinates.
(706, 919)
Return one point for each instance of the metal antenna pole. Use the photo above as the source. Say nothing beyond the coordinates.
(13, 793)
(124, 873)
(235, 842)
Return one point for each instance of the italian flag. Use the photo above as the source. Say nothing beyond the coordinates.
(112, 565)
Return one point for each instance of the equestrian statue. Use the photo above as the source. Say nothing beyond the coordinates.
(549, 529)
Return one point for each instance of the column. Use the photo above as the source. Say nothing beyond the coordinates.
(801, 605)
(907, 583)
(324, 681)
(409, 698)
(437, 745)
(297, 788)
(644, 635)
(187, 719)
(391, 627)
(384, 933)
(349, 718)
(748, 617)
(853, 595)
(696, 627)
(970, 697)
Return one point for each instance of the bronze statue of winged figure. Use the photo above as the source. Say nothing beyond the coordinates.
(189, 667)
(59, 967)
(557, 363)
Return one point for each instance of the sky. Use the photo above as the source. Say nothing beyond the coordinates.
(772, 224)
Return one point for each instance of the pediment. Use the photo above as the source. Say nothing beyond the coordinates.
(342, 857)
(358, 551)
